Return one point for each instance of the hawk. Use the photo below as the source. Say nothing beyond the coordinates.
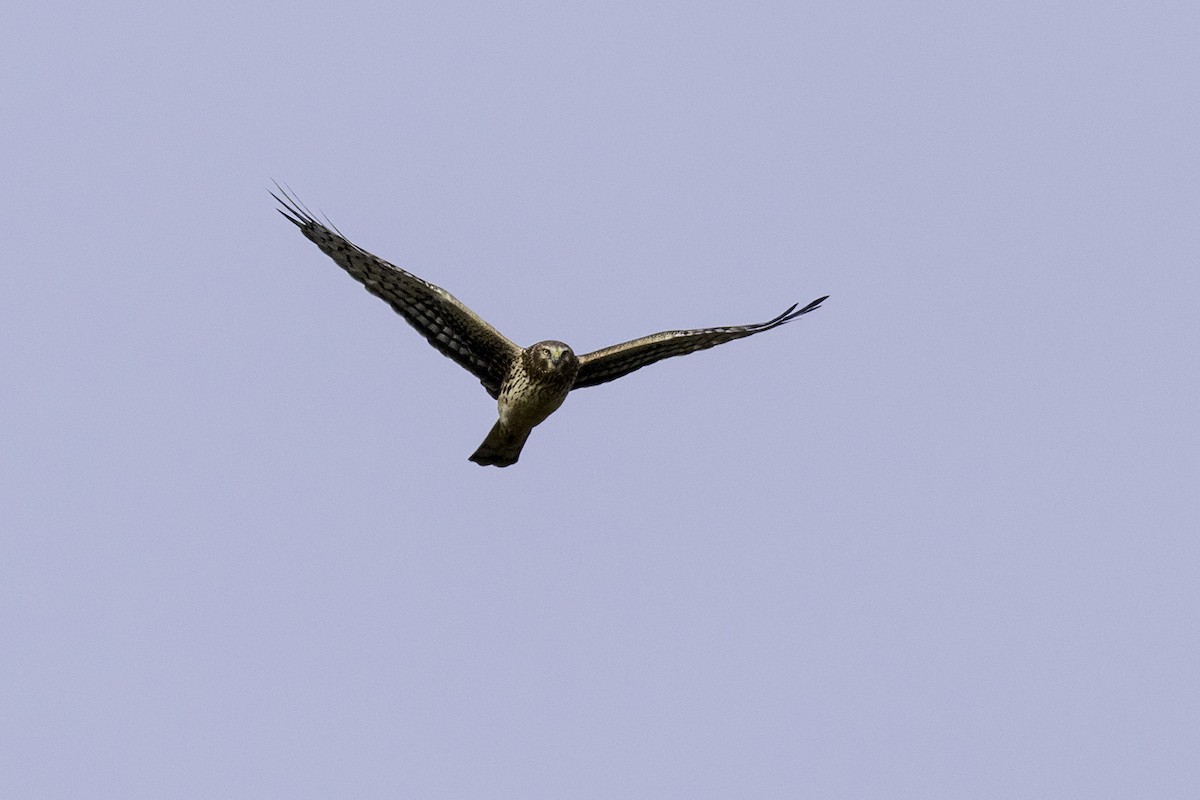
(528, 383)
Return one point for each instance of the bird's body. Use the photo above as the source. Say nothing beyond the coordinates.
(529, 384)
(536, 385)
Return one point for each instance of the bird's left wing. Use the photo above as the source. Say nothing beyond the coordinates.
(445, 322)
(621, 359)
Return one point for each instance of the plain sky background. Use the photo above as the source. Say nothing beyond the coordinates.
(938, 539)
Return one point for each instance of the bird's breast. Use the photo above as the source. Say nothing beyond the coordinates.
(525, 401)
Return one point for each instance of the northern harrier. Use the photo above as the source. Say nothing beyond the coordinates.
(529, 383)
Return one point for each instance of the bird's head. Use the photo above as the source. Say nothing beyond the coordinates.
(554, 357)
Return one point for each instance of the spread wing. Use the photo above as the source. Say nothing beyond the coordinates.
(621, 359)
(455, 330)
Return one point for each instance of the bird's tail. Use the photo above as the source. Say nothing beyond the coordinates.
(501, 448)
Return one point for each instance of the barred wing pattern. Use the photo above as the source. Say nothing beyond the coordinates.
(455, 330)
(621, 359)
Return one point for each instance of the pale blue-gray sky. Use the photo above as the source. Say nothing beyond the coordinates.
(938, 539)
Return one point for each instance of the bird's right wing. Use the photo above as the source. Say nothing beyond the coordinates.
(621, 359)
(445, 322)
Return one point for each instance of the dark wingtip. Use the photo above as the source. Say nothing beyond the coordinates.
(291, 208)
(289, 217)
(792, 313)
(286, 209)
(813, 305)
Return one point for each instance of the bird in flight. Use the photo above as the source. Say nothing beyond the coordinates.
(529, 383)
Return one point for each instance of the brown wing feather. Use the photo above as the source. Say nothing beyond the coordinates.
(455, 330)
(621, 359)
